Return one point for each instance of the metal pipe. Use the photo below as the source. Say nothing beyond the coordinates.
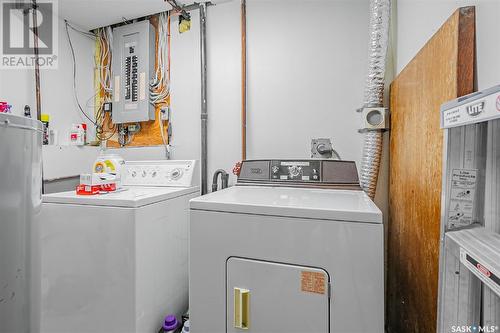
(204, 113)
(37, 62)
(374, 91)
(36, 52)
(243, 80)
(224, 177)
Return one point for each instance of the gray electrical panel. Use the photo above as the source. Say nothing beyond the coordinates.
(132, 67)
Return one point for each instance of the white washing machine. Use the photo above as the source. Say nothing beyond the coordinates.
(295, 246)
(118, 262)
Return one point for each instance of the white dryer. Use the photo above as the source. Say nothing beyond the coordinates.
(118, 262)
(295, 246)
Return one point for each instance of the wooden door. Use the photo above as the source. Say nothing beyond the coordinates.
(441, 71)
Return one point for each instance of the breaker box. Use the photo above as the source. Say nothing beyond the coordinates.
(132, 67)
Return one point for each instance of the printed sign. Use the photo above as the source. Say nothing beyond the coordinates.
(19, 31)
(477, 107)
(462, 197)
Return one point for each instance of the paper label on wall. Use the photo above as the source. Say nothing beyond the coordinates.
(313, 282)
(462, 197)
(116, 89)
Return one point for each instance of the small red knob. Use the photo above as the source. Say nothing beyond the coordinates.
(237, 169)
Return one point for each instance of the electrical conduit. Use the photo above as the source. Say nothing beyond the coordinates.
(204, 106)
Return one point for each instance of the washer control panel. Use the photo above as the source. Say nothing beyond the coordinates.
(160, 173)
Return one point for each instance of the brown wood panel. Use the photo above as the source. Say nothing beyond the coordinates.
(441, 71)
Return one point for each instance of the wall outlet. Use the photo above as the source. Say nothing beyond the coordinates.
(321, 148)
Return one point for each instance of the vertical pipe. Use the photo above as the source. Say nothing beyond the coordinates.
(204, 113)
(37, 71)
(243, 80)
(37, 63)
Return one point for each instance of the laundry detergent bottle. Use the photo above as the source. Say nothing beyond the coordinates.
(170, 325)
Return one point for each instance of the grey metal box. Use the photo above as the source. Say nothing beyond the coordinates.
(132, 67)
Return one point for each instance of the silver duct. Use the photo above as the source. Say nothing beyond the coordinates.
(374, 91)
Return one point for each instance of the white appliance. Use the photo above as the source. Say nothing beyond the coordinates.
(295, 246)
(20, 202)
(117, 262)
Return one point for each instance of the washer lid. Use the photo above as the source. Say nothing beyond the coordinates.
(325, 204)
(131, 197)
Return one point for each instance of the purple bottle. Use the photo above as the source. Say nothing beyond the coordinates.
(170, 324)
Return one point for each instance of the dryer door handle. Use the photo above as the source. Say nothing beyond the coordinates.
(241, 308)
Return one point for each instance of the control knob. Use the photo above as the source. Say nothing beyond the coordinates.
(176, 174)
(294, 171)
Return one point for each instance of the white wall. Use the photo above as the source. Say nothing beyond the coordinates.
(57, 85)
(17, 86)
(306, 70)
(224, 80)
(418, 20)
(185, 90)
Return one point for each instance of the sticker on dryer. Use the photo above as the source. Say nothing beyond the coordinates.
(462, 197)
(313, 282)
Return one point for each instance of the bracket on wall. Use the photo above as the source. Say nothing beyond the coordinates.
(374, 119)
(180, 8)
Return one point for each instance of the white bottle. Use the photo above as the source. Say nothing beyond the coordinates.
(78, 135)
(185, 328)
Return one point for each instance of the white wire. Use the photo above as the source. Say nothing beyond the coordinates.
(105, 37)
(159, 90)
(162, 131)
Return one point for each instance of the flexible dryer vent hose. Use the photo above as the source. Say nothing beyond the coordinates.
(374, 91)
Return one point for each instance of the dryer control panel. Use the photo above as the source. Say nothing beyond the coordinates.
(296, 170)
(160, 173)
(317, 173)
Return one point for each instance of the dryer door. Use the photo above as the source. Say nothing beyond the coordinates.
(263, 297)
